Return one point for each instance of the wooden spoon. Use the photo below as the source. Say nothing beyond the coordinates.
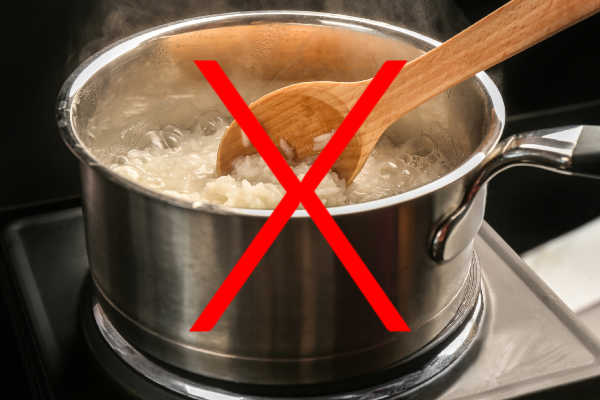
(298, 113)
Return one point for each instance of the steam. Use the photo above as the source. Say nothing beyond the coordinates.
(110, 20)
(439, 19)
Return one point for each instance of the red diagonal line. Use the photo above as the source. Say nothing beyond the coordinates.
(381, 304)
(339, 243)
(246, 264)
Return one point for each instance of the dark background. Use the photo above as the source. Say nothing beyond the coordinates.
(554, 83)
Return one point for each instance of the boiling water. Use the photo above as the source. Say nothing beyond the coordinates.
(182, 164)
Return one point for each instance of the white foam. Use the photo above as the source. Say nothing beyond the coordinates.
(182, 164)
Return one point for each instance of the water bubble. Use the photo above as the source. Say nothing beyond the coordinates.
(172, 141)
(208, 128)
(174, 131)
(121, 160)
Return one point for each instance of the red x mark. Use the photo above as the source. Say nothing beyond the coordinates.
(297, 192)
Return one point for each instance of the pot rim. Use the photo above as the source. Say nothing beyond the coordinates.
(80, 76)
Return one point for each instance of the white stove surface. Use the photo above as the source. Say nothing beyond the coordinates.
(569, 265)
(532, 339)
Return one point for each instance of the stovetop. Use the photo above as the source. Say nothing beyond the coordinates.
(530, 344)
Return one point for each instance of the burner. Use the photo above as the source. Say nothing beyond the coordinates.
(411, 375)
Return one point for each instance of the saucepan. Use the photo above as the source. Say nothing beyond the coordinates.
(156, 261)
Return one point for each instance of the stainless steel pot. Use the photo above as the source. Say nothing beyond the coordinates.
(157, 261)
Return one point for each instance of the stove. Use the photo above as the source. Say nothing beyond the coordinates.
(520, 339)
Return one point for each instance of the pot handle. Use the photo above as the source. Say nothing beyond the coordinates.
(571, 150)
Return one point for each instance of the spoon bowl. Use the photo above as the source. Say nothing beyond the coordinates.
(288, 114)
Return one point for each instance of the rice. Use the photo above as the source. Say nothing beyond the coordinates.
(288, 151)
(319, 142)
(182, 164)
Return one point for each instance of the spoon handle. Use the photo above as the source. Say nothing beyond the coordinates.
(507, 31)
